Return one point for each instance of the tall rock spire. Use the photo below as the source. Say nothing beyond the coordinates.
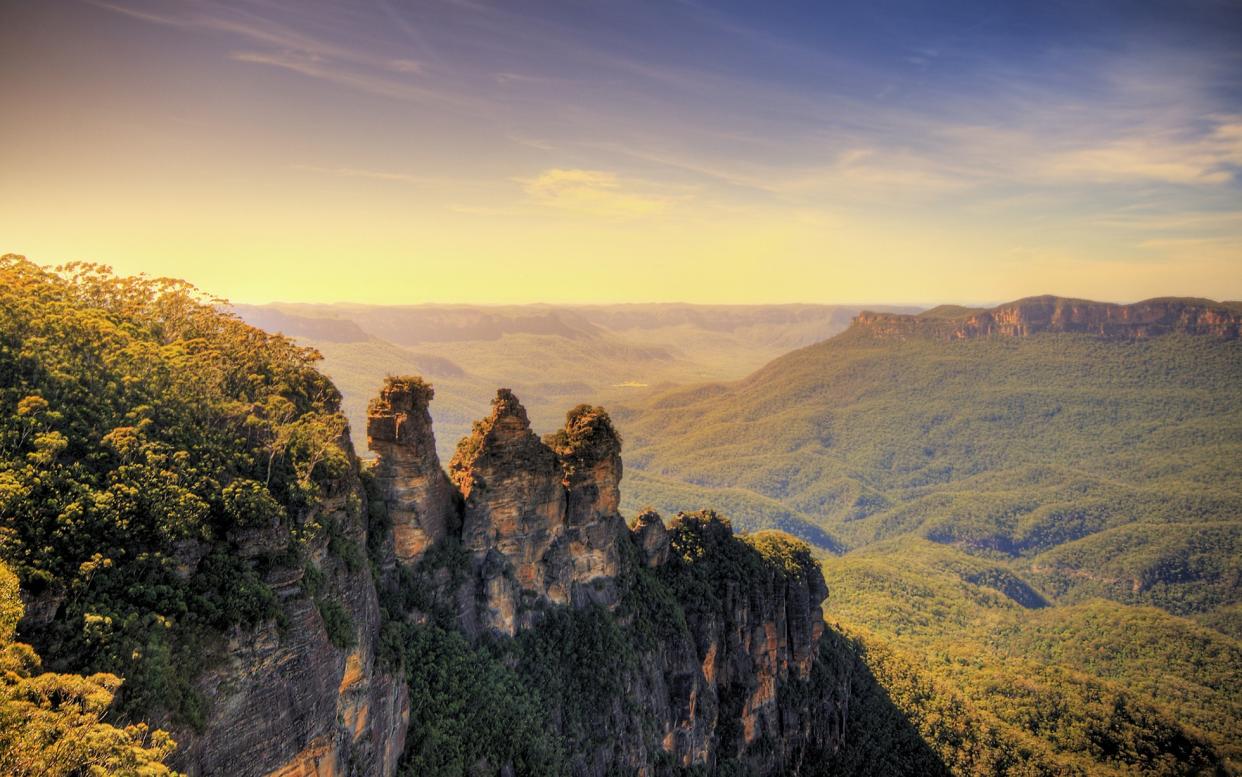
(408, 475)
(513, 514)
(590, 452)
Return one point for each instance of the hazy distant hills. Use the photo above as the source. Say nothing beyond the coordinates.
(553, 356)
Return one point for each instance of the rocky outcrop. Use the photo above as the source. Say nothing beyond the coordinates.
(538, 527)
(539, 519)
(513, 517)
(723, 633)
(1033, 315)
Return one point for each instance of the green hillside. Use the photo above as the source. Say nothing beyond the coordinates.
(1011, 446)
(1097, 685)
(1049, 525)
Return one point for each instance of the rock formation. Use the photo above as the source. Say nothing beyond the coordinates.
(418, 494)
(725, 671)
(754, 642)
(1033, 315)
(540, 528)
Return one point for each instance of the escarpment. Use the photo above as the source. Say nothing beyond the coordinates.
(304, 696)
(719, 635)
(1034, 315)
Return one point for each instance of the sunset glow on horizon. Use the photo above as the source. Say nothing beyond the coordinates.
(460, 151)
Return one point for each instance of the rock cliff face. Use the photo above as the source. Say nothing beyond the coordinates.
(538, 528)
(753, 696)
(1055, 314)
(287, 699)
(418, 494)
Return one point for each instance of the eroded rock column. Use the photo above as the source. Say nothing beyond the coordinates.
(513, 514)
(416, 490)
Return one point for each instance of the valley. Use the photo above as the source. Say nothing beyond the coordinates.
(1054, 507)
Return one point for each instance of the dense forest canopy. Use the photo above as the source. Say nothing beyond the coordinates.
(143, 429)
(54, 725)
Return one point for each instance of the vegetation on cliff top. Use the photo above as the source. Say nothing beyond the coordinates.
(586, 438)
(144, 437)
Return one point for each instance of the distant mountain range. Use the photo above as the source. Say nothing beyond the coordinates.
(1056, 314)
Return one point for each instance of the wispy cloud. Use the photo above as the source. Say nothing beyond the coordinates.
(1197, 221)
(235, 22)
(401, 65)
(363, 68)
(1206, 160)
(393, 176)
(594, 192)
(353, 172)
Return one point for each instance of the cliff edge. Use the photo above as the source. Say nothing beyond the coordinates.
(1033, 315)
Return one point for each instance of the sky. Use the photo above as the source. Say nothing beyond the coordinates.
(390, 151)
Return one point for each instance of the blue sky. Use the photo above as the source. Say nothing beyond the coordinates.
(878, 151)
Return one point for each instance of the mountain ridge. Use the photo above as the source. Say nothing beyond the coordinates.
(1050, 313)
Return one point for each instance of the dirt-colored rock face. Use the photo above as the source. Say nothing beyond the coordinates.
(415, 488)
(513, 516)
(1033, 315)
(541, 525)
(286, 700)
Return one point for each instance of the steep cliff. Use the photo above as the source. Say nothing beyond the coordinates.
(680, 646)
(1032, 315)
(303, 695)
(182, 506)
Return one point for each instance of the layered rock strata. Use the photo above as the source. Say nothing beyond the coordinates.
(1033, 315)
